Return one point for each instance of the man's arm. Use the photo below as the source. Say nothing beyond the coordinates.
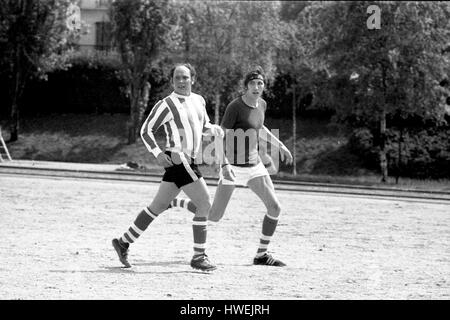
(210, 129)
(159, 115)
(270, 138)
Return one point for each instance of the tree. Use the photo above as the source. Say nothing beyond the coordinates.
(223, 39)
(33, 37)
(375, 74)
(140, 29)
(295, 59)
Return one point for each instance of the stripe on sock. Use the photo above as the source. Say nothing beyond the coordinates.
(199, 230)
(200, 223)
(200, 246)
(136, 229)
(126, 238)
(144, 218)
(270, 217)
(132, 232)
(131, 235)
(263, 246)
(152, 215)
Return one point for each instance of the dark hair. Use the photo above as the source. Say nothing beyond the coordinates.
(256, 73)
(187, 65)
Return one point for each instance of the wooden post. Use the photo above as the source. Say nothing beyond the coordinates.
(294, 132)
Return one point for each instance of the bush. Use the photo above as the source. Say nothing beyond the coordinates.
(425, 153)
(89, 85)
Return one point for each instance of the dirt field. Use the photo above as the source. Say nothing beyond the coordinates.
(56, 244)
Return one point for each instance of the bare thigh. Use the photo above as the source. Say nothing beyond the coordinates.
(221, 200)
(264, 189)
(167, 191)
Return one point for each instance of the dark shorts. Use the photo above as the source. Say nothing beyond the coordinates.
(182, 174)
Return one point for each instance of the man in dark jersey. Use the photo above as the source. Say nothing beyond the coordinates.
(243, 123)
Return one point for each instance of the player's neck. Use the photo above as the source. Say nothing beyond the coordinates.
(250, 100)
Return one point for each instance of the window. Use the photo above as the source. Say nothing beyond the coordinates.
(103, 39)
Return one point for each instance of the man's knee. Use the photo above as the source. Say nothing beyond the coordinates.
(215, 214)
(274, 209)
(158, 206)
(203, 207)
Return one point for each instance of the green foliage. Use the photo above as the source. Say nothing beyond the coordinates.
(399, 66)
(223, 39)
(33, 36)
(425, 153)
(140, 31)
(88, 84)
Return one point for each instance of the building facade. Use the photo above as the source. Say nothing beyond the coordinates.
(96, 26)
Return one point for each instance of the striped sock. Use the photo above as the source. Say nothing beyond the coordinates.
(144, 218)
(199, 228)
(268, 229)
(183, 203)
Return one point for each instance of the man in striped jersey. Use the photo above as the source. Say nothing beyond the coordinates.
(185, 120)
(243, 122)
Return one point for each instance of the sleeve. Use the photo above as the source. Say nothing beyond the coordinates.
(159, 115)
(229, 118)
(206, 121)
(264, 104)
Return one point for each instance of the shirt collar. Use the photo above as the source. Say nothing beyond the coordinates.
(180, 95)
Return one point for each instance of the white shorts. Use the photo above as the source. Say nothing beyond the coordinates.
(244, 174)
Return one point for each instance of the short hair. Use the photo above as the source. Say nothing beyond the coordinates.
(256, 73)
(187, 65)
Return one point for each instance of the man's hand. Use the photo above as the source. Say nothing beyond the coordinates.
(286, 155)
(217, 131)
(228, 173)
(164, 160)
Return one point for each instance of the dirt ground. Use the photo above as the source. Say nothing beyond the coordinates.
(56, 244)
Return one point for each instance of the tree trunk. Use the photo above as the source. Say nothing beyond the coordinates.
(294, 131)
(15, 96)
(383, 158)
(217, 109)
(138, 104)
(14, 125)
(134, 107)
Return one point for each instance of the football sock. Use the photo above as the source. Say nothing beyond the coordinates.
(144, 218)
(268, 229)
(183, 203)
(199, 229)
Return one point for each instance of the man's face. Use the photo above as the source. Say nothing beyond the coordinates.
(255, 87)
(182, 81)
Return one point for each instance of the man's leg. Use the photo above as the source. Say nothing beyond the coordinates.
(264, 189)
(197, 191)
(166, 192)
(221, 199)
